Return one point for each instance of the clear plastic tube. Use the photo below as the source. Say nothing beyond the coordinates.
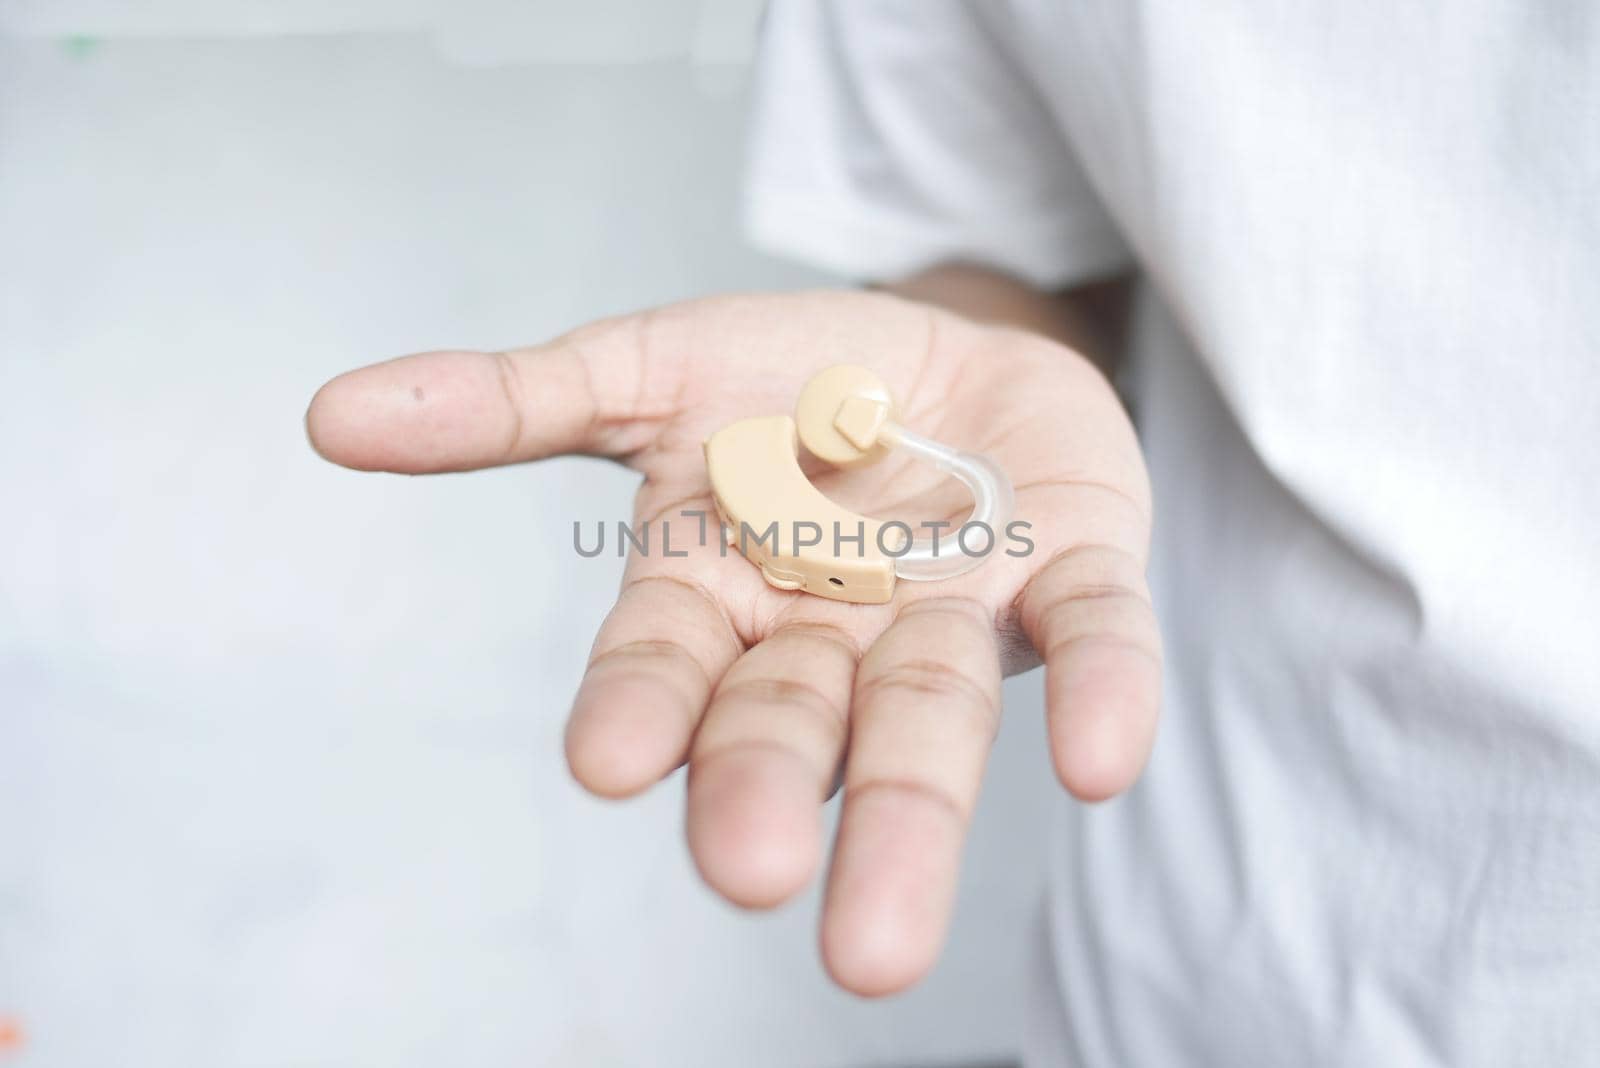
(993, 502)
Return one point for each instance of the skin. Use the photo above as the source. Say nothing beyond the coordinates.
(773, 697)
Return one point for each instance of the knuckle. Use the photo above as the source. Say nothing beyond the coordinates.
(666, 666)
(1120, 621)
(934, 681)
(511, 387)
(960, 611)
(1082, 574)
(678, 603)
(826, 634)
(941, 797)
(1112, 611)
(793, 693)
(642, 651)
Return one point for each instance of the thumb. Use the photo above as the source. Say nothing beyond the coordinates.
(456, 411)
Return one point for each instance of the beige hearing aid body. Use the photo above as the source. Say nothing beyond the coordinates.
(845, 417)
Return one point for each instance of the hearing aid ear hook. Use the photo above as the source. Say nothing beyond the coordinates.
(845, 416)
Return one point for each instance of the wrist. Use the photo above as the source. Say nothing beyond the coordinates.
(1089, 319)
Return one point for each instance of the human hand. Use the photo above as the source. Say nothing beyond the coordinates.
(764, 692)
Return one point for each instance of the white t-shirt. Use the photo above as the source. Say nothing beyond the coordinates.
(1367, 371)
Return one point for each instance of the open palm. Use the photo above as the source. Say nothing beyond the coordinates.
(764, 693)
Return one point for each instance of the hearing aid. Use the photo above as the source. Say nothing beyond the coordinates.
(846, 417)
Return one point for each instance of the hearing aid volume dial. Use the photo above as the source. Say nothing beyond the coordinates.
(839, 413)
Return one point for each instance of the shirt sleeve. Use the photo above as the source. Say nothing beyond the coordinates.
(891, 136)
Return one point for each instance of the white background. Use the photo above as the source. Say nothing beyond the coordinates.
(280, 772)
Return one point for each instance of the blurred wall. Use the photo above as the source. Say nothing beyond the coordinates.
(280, 772)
